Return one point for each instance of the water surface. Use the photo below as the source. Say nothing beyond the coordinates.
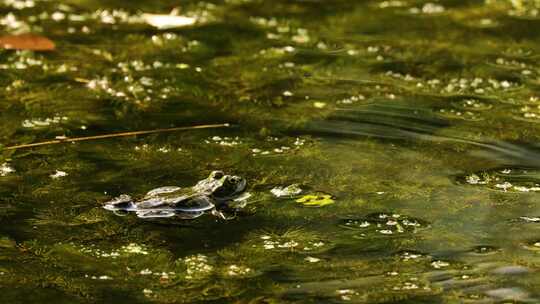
(420, 119)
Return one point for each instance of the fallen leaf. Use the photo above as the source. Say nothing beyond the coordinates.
(316, 200)
(164, 22)
(26, 42)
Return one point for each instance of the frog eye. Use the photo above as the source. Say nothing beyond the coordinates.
(216, 174)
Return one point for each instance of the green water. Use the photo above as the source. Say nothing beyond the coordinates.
(421, 119)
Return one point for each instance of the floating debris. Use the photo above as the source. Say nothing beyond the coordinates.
(532, 245)
(347, 294)
(31, 42)
(319, 105)
(439, 264)
(147, 292)
(58, 174)
(411, 255)
(146, 272)
(428, 8)
(484, 250)
(530, 219)
(317, 199)
(6, 169)
(286, 192)
(311, 259)
(164, 22)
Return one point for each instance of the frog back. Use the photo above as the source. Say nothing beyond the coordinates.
(175, 199)
(163, 197)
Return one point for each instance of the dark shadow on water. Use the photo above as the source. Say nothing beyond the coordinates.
(406, 124)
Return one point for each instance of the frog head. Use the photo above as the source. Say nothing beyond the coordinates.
(221, 187)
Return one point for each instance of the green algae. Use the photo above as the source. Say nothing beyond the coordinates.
(388, 106)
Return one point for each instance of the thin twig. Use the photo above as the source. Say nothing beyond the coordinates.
(123, 134)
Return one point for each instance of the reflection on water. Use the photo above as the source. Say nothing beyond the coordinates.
(390, 150)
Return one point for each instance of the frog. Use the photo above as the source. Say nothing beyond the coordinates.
(211, 195)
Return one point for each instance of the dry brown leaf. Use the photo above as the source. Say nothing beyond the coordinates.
(26, 42)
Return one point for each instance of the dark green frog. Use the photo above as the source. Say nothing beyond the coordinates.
(170, 201)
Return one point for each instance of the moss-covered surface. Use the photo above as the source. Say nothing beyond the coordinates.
(411, 126)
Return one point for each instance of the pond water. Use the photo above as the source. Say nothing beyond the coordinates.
(410, 126)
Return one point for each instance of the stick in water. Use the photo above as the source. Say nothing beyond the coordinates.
(123, 134)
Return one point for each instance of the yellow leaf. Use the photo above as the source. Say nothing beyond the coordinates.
(316, 200)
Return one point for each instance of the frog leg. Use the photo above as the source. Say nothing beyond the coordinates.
(120, 212)
(221, 215)
(155, 213)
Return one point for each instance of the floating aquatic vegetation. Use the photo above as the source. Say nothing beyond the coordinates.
(523, 8)
(41, 123)
(267, 150)
(22, 60)
(272, 146)
(291, 241)
(134, 248)
(456, 114)
(271, 67)
(150, 149)
(124, 251)
(101, 277)
(280, 30)
(529, 113)
(224, 141)
(351, 100)
(471, 104)
(197, 266)
(384, 224)
(6, 169)
(512, 64)
(19, 4)
(392, 4)
(475, 85)
(506, 180)
(238, 271)
(484, 250)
